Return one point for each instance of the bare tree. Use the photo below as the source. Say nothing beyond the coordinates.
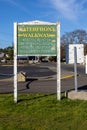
(75, 37)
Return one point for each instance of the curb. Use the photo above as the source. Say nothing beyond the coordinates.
(68, 76)
(44, 78)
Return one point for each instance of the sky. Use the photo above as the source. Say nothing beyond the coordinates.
(72, 15)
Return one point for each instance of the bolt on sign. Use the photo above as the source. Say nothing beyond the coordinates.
(37, 40)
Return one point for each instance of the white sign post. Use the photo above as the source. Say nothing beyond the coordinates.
(58, 64)
(53, 35)
(15, 62)
(86, 64)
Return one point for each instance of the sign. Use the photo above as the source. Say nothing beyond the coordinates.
(86, 64)
(37, 39)
(70, 53)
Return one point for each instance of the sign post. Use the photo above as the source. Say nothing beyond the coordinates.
(75, 68)
(37, 39)
(15, 62)
(58, 64)
(86, 65)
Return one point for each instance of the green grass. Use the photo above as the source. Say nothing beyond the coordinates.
(42, 112)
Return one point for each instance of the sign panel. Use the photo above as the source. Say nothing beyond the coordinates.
(37, 39)
(70, 53)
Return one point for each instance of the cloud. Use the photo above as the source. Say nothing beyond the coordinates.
(70, 9)
(12, 2)
(16, 4)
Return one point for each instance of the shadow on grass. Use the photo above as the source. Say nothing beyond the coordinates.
(41, 95)
(37, 96)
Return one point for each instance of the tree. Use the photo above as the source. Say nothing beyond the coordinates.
(9, 51)
(63, 53)
(85, 49)
(75, 37)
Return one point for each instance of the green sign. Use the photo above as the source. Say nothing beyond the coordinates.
(37, 39)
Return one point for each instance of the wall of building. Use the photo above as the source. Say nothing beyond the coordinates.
(70, 53)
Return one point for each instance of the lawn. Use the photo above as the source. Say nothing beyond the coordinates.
(42, 112)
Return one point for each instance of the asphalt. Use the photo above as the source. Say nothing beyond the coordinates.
(65, 74)
(53, 75)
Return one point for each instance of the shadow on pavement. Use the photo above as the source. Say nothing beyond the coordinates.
(84, 88)
(29, 80)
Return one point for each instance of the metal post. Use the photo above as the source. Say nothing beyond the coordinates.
(58, 64)
(75, 67)
(15, 62)
(86, 64)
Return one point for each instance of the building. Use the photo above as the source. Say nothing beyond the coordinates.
(70, 53)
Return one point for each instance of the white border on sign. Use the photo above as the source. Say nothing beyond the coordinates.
(58, 64)
(58, 56)
(15, 62)
(86, 64)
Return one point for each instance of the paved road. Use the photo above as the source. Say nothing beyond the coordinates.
(46, 74)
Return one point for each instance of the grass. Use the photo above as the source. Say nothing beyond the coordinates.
(42, 112)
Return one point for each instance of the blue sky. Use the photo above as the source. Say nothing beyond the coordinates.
(72, 15)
